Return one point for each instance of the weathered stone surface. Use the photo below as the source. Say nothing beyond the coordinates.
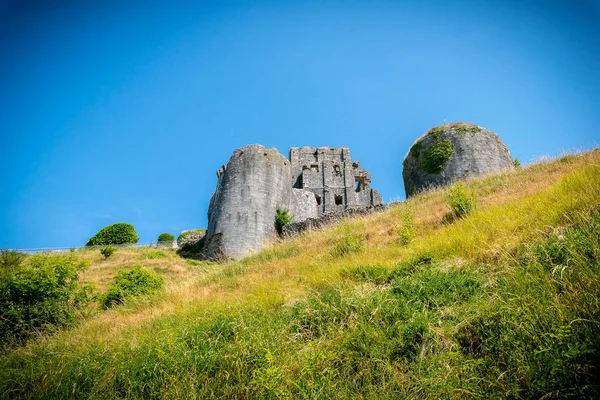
(303, 205)
(453, 152)
(191, 239)
(242, 210)
(295, 228)
(337, 182)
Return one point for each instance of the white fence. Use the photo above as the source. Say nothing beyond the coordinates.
(170, 244)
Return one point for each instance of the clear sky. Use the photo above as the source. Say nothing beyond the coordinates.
(117, 111)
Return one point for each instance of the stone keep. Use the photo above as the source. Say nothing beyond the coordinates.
(256, 180)
(242, 210)
(453, 152)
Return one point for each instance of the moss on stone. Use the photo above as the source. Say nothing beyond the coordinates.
(435, 157)
(415, 151)
(463, 129)
(459, 127)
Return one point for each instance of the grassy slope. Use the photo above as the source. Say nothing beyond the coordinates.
(503, 303)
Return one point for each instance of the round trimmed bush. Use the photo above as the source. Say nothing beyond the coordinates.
(165, 237)
(120, 233)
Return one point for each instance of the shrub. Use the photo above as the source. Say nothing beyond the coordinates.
(282, 218)
(406, 226)
(107, 251)
(461, 200)
(132, 283)
(517, 163)
(165, 237)
(41, 294)
(120, 233)
(10, 260)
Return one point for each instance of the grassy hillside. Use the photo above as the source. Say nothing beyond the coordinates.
(406, 303)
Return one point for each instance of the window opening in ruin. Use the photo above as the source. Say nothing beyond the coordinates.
(360, 183)
(338, 200)
(318, 200)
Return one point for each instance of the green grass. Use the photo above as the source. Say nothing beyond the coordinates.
(502, 303)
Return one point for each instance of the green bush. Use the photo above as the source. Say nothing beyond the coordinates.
(282, 218)
(461, 200)
(40, 294)
(120, 233)
(107, 251)
(165, 237)
(132, 283)
(517, 163)
(10, 261)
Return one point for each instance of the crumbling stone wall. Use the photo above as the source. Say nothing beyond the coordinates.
(314, 182)
(453, 152)
(308, 224)
(337, 182)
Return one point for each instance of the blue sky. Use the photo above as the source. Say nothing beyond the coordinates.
(123, 111)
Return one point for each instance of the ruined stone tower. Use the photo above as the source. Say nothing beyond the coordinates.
(241, 212)
(337, 182)
(453, 152)
(256, 180)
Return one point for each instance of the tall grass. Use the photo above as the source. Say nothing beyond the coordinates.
(502, 303)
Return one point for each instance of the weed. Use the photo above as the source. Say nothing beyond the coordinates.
(347, 241)
(282, 218)
(461, 200)
(406, 225)
(155, 255)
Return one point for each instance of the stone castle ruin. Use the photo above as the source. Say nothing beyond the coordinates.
(312, 183)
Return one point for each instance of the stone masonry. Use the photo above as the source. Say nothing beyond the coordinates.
(337, 182)
(453, 152)
(256, 180)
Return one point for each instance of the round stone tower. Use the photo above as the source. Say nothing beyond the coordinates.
(453, 152)
(241, 215)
